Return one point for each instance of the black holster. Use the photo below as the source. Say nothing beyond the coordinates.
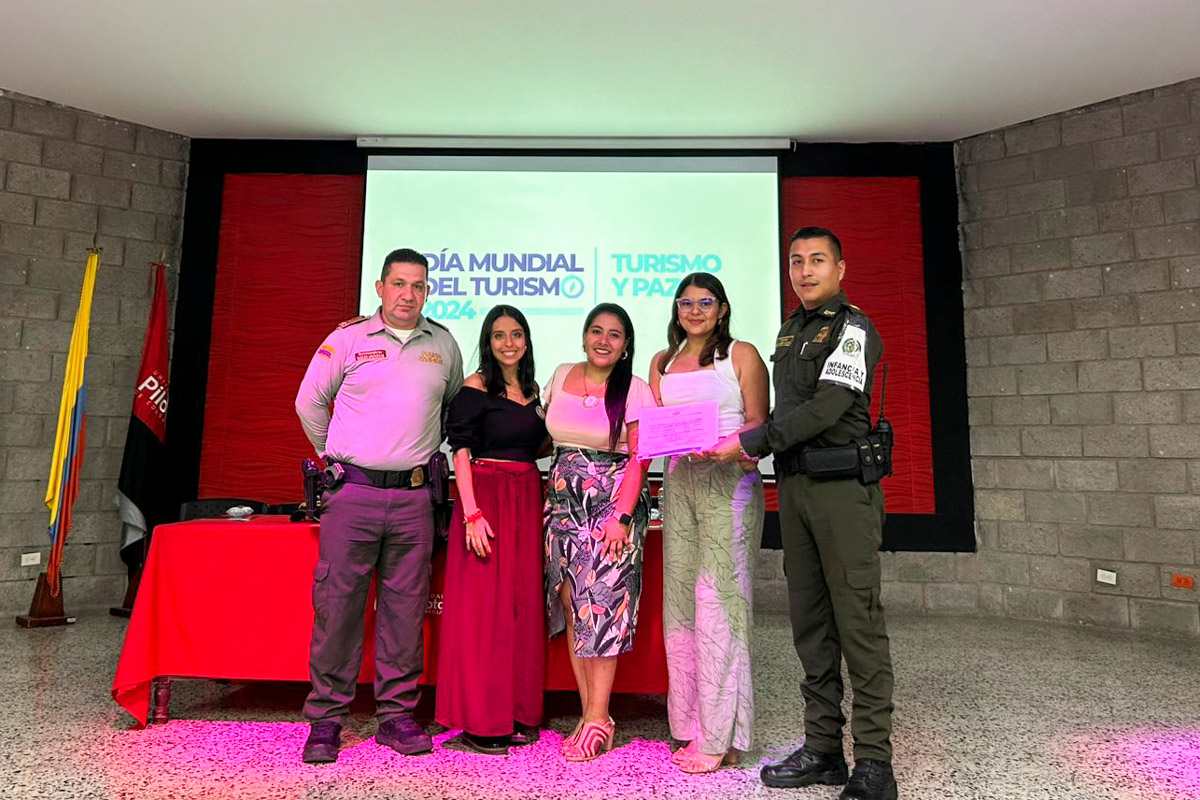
(439, 492)
(311, 508)
(868, 458)
(875, 456)
(828, 463)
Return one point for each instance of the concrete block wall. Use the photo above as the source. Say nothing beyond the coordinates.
(1080, 236)
(68, 177)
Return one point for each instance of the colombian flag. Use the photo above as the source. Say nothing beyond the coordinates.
(67, 458)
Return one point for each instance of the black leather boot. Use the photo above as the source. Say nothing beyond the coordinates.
(872, 780)
(805, 767)
(404, 735)
(324, 739)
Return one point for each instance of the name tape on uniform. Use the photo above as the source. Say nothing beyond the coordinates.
(847, 364)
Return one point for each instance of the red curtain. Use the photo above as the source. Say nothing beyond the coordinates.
(287, 274)
(879, 223)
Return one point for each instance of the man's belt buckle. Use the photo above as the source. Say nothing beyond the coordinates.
(418, 477)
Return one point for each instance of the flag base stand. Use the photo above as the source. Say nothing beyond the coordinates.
(46, 610)
(125, 610)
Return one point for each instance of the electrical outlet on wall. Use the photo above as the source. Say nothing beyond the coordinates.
(30, 559)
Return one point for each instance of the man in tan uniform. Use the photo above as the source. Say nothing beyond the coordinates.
(389, 377)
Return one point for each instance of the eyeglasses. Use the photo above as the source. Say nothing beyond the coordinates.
(686, 304)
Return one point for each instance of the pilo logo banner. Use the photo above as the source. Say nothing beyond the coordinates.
(152, 394)
(141, 497)
(150, 402)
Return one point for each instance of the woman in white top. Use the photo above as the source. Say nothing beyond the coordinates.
(712, 527)
(596, 516)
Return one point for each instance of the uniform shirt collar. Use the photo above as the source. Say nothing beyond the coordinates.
(829, 308)
(375, 324)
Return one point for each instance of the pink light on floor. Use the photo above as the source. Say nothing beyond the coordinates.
(1158, 763)
(197, 759)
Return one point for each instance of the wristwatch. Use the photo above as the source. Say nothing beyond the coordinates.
(625, 519)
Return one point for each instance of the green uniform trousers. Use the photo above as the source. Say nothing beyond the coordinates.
(831, 532)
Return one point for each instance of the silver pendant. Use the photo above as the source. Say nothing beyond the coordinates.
(590, 401)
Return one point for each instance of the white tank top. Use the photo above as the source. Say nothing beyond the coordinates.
(718, 382)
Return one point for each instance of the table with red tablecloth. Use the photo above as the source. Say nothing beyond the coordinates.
(232, 599)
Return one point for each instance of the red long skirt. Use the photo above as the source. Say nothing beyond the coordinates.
(492, 642)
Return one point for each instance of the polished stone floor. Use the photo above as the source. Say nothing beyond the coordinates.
(987, 709)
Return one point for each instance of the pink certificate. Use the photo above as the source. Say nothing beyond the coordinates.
(672, 430)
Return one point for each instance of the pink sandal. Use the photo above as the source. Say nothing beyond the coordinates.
(593, 739)
(569, 740)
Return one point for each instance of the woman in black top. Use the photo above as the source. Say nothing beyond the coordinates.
(492, 643)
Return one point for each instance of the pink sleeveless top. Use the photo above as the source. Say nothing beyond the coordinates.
(573, 424)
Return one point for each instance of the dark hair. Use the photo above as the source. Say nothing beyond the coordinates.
(489, 367)
(621, 376)
(718, 342)
(812, 232)
(405, 255)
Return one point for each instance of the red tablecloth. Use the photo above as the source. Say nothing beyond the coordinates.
(232, 599)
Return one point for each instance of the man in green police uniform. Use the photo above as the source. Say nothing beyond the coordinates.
(831, 526)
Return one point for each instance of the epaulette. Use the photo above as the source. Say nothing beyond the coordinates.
(352, 321)
(854, 307)
(435, 322)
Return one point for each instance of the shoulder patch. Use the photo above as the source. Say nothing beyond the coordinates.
(847, 364)
(352, 321)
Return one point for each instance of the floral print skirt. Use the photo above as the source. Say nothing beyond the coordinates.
(581, 496)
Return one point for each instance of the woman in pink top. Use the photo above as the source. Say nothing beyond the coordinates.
(596, 516)
(712, 526)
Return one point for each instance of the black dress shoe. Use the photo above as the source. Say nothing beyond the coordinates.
(805, 767)
(403, 735)
(324, 739)
(872, 780)
(485, 745)
(523, 735)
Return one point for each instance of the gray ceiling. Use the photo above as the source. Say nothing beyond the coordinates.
(854, 70)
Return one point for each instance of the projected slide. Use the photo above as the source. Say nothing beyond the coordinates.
(553, 236)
